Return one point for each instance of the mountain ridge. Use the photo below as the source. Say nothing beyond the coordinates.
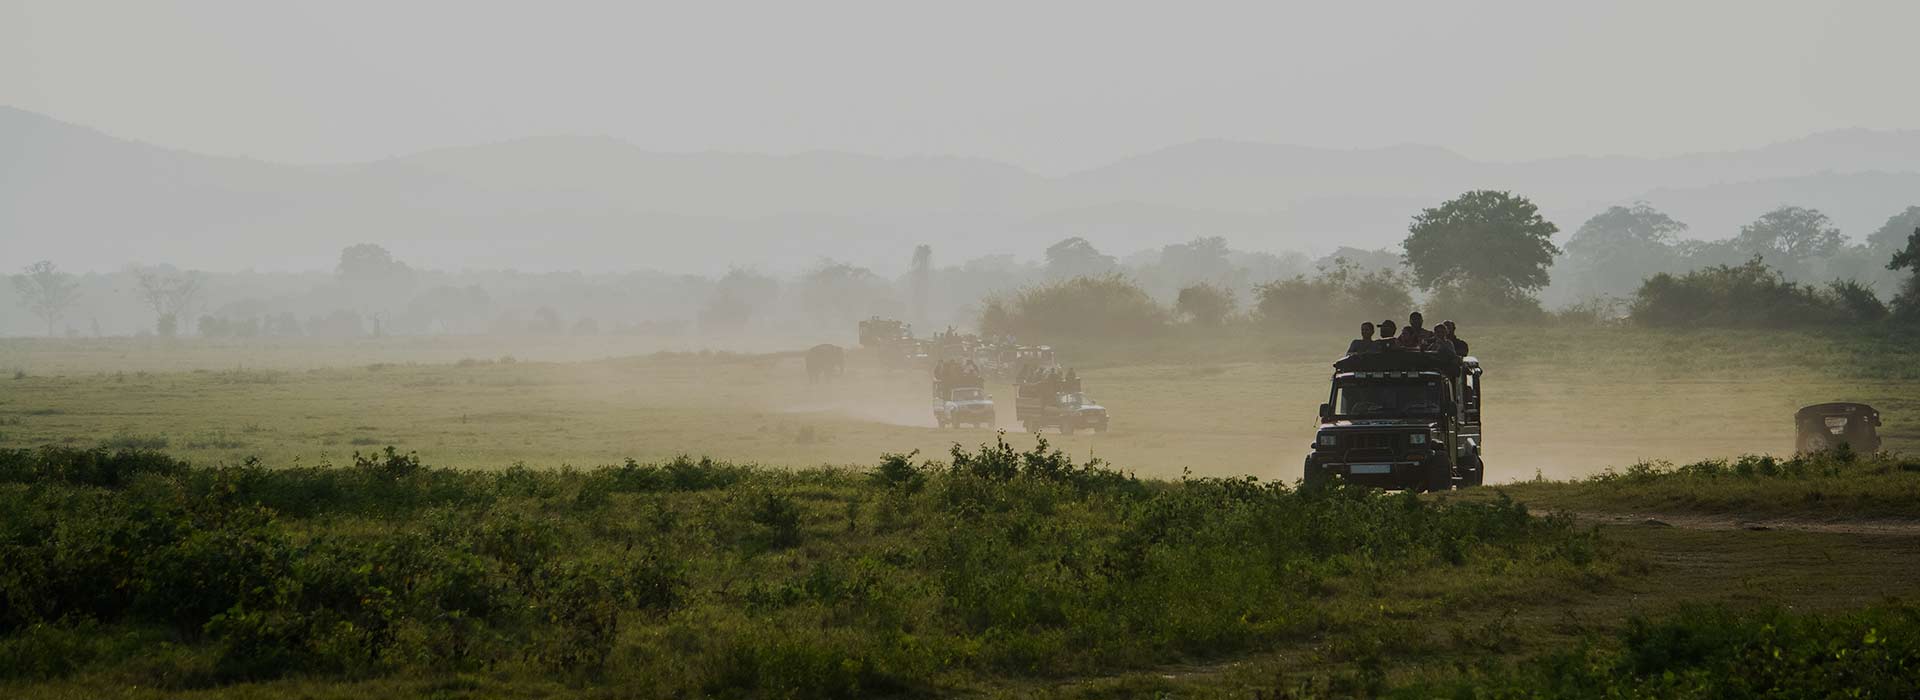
(573, 201)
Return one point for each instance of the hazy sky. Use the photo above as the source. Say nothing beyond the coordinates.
(1050, 85)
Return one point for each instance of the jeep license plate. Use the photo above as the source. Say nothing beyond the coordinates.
(1370, 469)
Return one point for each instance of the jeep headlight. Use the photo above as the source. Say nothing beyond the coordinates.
(1328, 440)
(1418, 439)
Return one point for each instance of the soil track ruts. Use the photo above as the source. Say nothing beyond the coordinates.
(1743, 560)
(1697, 521)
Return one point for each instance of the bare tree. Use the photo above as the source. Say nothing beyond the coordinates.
(168, 293)
(46, 291)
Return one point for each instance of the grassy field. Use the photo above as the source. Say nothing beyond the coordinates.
(996, 573)
(571, 551)
(700, 578)
(1563, 403)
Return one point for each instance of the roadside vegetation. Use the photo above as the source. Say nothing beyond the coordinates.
(1714, 652)
(132, 569)
(1831, 484)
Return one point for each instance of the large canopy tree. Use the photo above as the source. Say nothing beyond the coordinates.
(1490, 242)
(1620, 247)
(1907, 304)
(1789, 238)
(1893, 234)
(1075, 257)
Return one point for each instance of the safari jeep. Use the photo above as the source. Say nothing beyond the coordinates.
(962, 405)
(1402, 420)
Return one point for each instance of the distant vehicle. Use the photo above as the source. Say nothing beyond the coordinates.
(1828, 425)
(1017, 361)
(891, 343)
(879, 332)
(825, 362)
(962, 405)
(1058, 404)
(1408, 420)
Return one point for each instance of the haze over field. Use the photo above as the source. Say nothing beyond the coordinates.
(855, 349)
(228, 135)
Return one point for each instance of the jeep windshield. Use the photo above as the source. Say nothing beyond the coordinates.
(969, 395)
(1364, 398)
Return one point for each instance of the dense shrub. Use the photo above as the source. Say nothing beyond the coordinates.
(699, 577)
(1105, 306)
(1340, 295)
(1750, 295)
(1205, 304)
(1483, 301)
(1719, 653)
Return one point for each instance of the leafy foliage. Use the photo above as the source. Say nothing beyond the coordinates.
(696, 577)
(1750, 295)
(1206, 304)
(1713, 652)
(1075, 257)
(1492, 240)
(1098, 307)
(1618, 248)
(1339, 294)
(1835, 482)
(1788, 237)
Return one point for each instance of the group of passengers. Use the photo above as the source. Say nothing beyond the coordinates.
(1414, 337)
(1069, 379)
(957, 373)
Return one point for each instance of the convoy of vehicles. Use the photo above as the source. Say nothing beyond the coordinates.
(1393, 419)
(1406, 420)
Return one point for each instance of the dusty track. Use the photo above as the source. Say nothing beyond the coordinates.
(1695, 521)
(1804, 563)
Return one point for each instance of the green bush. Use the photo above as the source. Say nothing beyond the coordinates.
(1341, 295)
(1751, 295)
(699, 577)
(1107, 306)
(1719, 653)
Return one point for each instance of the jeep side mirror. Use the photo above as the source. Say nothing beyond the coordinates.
(1326, 411)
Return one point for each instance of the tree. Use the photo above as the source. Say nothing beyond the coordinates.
(1907, 304)
(1206, 304)
(1198, 260)
(735, 298)
(168, 293)
(1618, 248)
(1075, 257)
(1492, 245)
(367, 262)
(1340, 293)
(46, 291)
(1789, 237)
(920, 280)
(1908, 257)
(1107, 306)
(1893, 234)
(837, 291)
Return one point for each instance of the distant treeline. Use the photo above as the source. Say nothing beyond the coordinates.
(1484, 255)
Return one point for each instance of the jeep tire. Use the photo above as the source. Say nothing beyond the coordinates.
(1438, 475)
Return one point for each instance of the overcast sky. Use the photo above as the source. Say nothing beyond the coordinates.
(1053, 86)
